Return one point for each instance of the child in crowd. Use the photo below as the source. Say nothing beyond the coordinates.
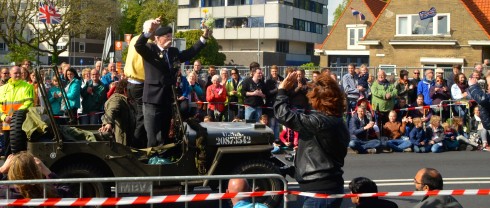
(264, 119)
(363, 81)
(418, 137)
(450, 142)
(436, 133)
(54, 96)
(289, 138)
(462, 136)
(207, 119)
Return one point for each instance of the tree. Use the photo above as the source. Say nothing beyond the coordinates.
(20, 52)
(338, 11)
(135, 13)
(210, 55)
(90, 17)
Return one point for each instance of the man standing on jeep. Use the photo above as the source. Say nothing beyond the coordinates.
(320, 154)
(15, 95)
(161, 63)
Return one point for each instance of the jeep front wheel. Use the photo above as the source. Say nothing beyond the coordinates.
(92, 189)
(18, 138)
(269, 184)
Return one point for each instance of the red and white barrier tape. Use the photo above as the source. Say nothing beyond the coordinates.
(217, 196)
(465, 192)
(133, 200)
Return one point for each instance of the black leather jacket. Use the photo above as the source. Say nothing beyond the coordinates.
(322, 146)
(483, 100)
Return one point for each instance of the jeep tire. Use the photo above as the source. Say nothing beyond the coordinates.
(83, 170)
(18, 138)
(269, 184)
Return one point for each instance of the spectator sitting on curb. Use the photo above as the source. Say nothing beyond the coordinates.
(363, 135)
(436, 134)
(394, 130)
(418, 137)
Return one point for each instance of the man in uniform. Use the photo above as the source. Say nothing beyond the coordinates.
(161, 63)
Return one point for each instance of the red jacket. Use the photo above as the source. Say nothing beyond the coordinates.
(216, 96)
(284, 136)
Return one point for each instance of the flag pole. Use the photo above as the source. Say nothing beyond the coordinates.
(39, 3)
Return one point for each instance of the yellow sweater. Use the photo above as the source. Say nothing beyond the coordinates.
(134, 68)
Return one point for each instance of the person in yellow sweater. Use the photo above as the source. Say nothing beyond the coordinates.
(134, 70)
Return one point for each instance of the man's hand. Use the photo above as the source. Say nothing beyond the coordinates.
(44, 170)
(106, 128)
(6, 165)
(207, 33)
(472, 81)
(388, 96)
(422, 143)
(288, 82)
(154, 25)
(8, 119)
(181, 98)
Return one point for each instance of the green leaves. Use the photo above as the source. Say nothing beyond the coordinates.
(210, 55)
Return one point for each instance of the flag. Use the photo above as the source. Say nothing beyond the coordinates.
(428, 14)
(358, 13)
(48, 13)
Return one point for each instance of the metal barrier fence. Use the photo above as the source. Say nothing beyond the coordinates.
(122, 181)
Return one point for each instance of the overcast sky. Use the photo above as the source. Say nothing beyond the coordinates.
(332, 5)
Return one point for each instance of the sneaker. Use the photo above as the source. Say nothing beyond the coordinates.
(408, 150)
(371, 151)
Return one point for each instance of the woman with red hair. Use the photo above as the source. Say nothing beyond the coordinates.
(321, 152)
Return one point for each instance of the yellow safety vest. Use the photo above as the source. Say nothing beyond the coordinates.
(15, 95)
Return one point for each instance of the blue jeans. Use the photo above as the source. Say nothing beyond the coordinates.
(362, 146)
(398, 145)
(351, 105)
(275, 126)
(310, 202)
(90, 119)
(421, 148)
(436, 148)
(253, 113)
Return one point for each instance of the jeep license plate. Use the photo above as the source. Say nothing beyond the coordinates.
(134, 187)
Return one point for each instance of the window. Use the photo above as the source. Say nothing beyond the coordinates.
(310, 48)
(389, 69)
(60, 48)
(81, 47)
(2, 47)
(307, 26)
(195, 23)
(309, 5)
(354, 34)
(212, 3)
(194, 3)
(282, 46)
(412, 25)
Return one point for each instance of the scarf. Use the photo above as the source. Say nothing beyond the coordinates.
(462, 87)
(384, 83)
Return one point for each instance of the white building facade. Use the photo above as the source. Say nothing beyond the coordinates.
(269, 32)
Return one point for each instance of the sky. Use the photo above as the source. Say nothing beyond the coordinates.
(332, 5)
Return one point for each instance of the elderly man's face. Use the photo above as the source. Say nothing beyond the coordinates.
(381, 76)
(5, 73)
(15, 73)
(429, 74)
(112, 67)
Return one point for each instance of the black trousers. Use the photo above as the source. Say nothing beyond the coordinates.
(135, 95)
(157, 122)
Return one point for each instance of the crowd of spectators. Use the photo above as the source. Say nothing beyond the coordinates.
(379, 113)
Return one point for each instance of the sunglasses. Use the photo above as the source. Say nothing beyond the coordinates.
(416, 73)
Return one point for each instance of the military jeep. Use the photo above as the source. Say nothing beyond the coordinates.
(215, 148)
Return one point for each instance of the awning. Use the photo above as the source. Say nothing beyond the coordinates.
(437, 60)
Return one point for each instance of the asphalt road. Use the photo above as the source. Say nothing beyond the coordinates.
(395, 172)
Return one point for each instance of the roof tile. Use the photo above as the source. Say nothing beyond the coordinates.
(480, 9)
(376, 6)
